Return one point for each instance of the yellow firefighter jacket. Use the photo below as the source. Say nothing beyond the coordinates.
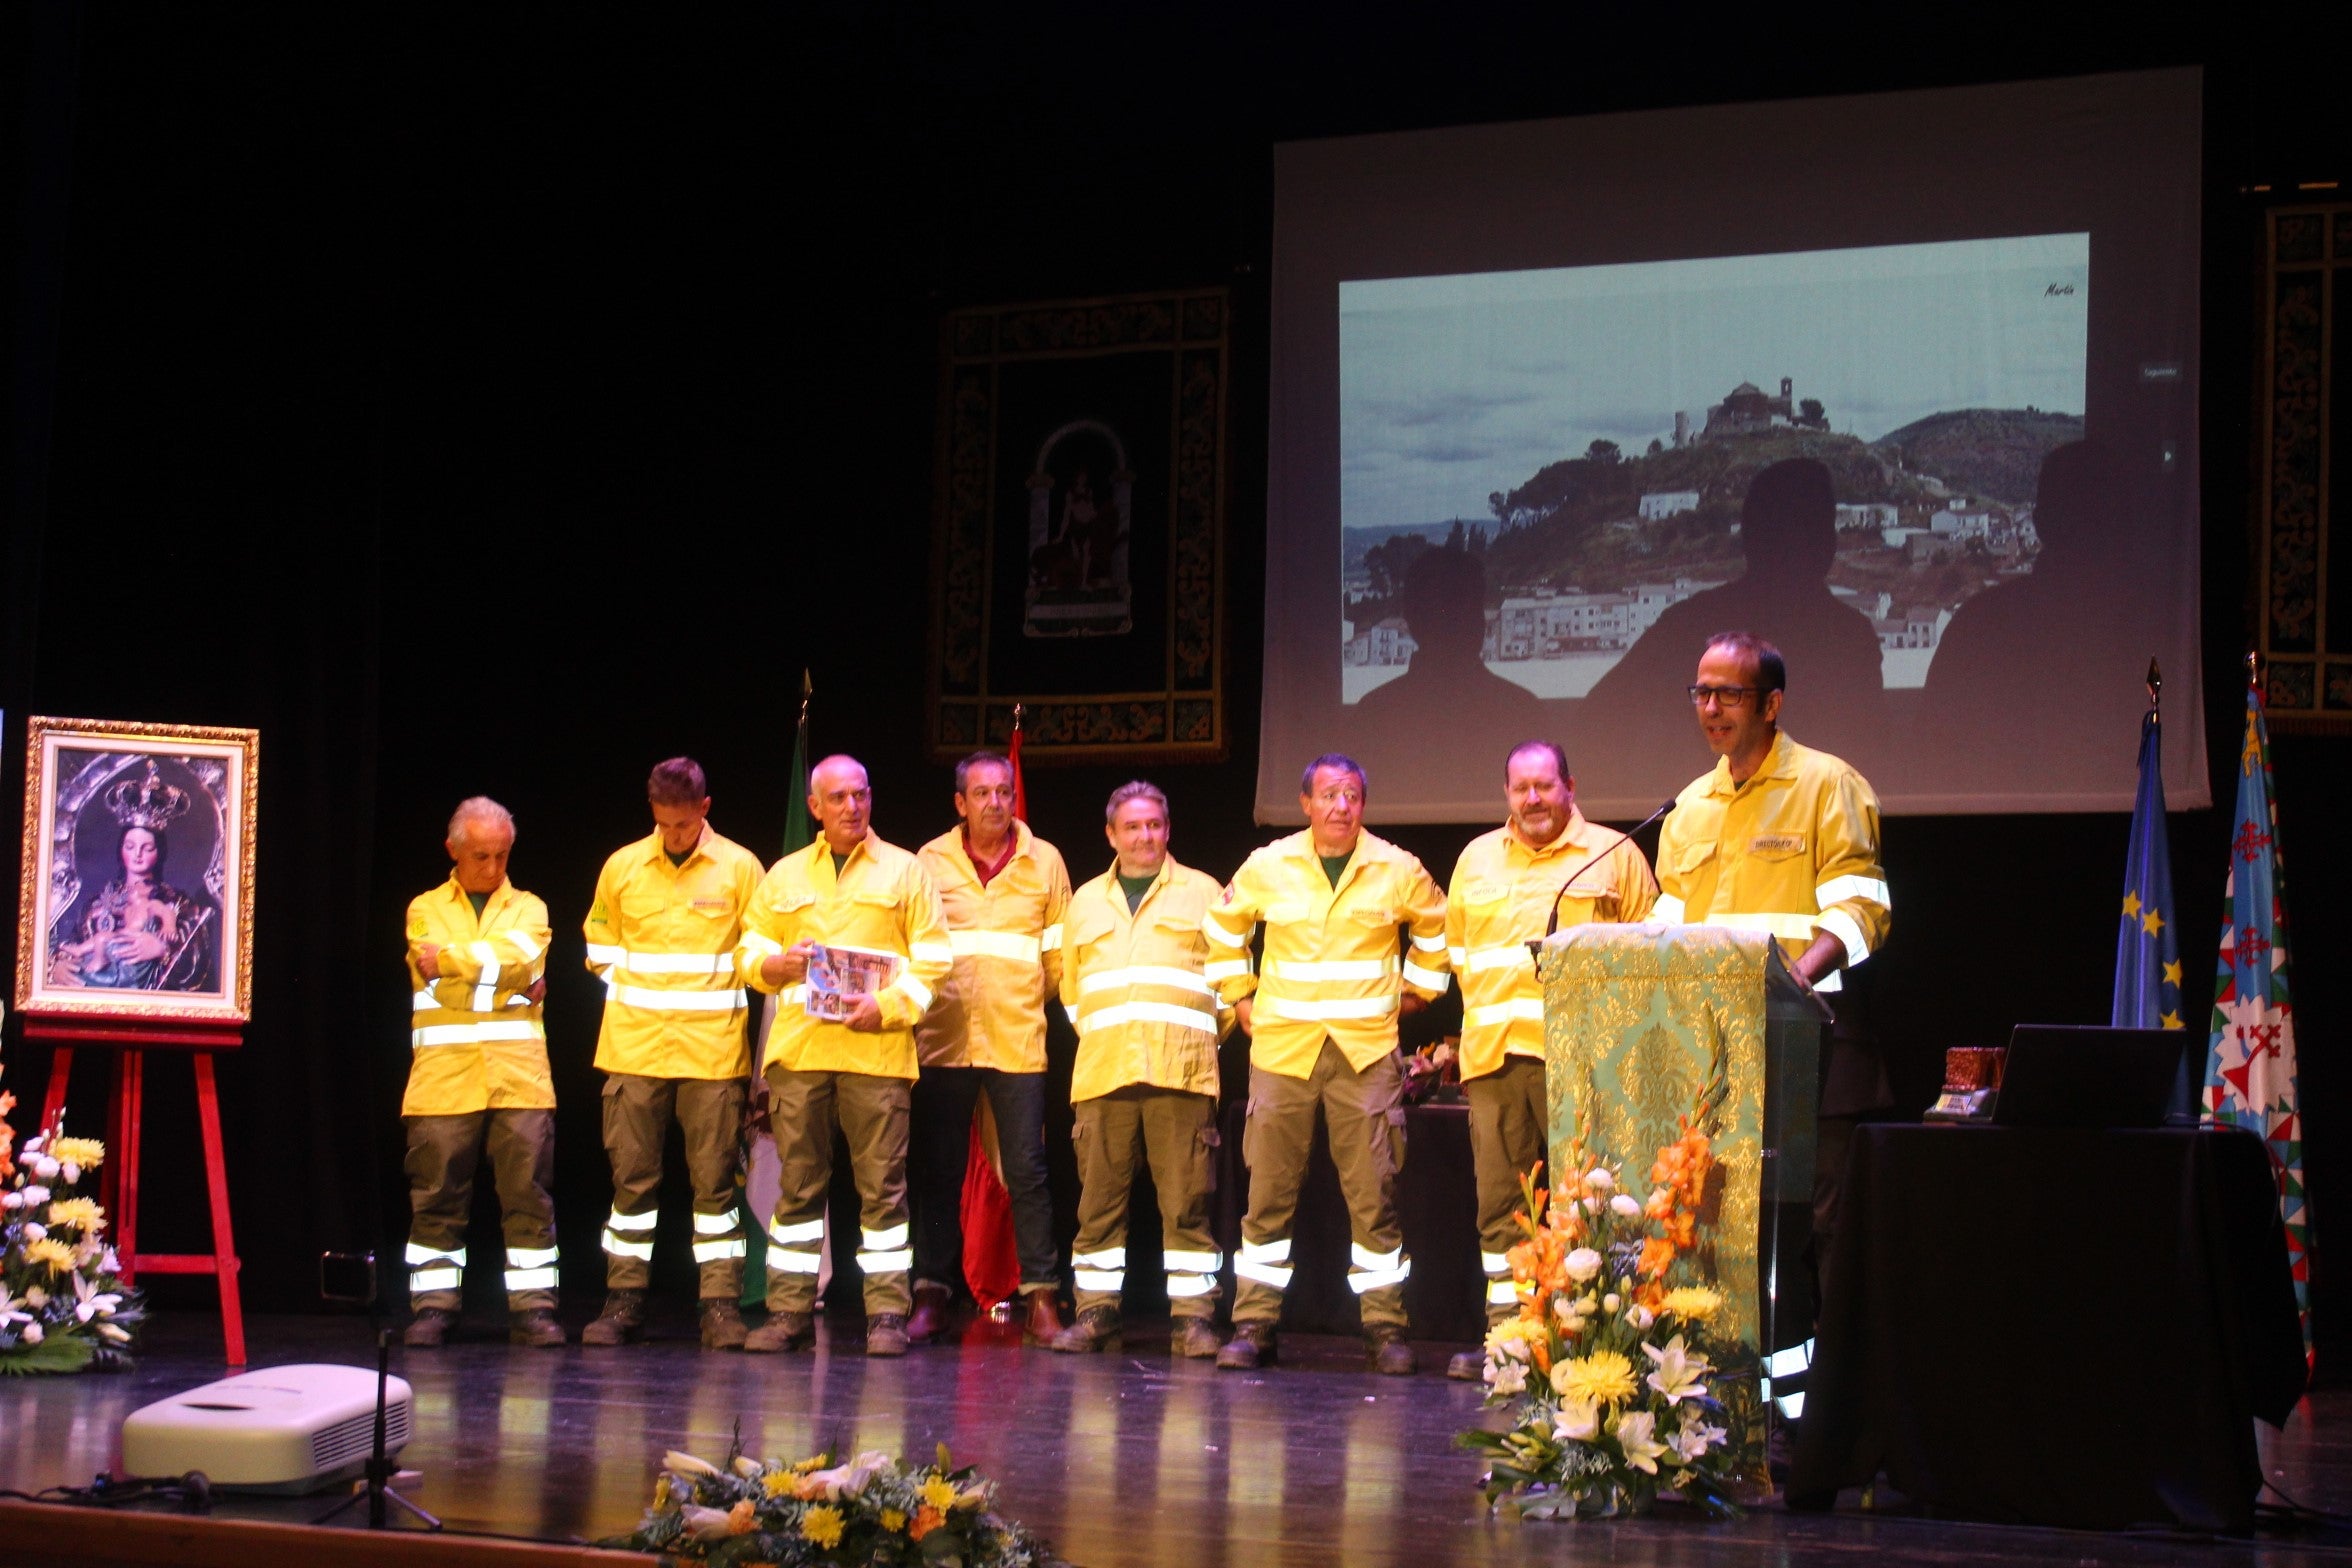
(879, 901)
(1791, 852)
(662, 939)
(1134, 988)
(1007, 938)
(1331, 964)
(478, 1043)
(1501, 899)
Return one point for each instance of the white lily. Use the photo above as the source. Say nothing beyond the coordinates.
(1637, 1436)
(91, 1302)
(1576, 1421)
(117, 1335)
(849, 1480)
(1696, 1436)
(1679, 1373)
(746, 1467)
(707, 1524)
(9, 1310)
(689, 1466)
(1509, 1377)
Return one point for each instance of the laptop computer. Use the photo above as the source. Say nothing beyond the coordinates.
(2061, 1075)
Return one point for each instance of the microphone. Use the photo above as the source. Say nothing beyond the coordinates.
(1553, 924)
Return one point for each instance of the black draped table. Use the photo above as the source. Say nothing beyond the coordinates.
(2040, 1326)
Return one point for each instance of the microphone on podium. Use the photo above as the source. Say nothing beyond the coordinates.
(1553, 924)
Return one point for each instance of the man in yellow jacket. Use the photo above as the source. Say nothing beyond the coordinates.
(1002, 890)
(478, 1079)
(662, 933)
(841, 1055)
(1783, 839)
(1505, 887)
(1145, 1081)
(1322, 1017)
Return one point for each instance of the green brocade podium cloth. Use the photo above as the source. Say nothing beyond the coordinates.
(1645, 1025)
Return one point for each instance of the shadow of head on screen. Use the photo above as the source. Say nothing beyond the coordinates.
(2045, 665)
(1788, 537)
(1447, 690)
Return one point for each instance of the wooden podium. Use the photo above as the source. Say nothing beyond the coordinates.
(1645, 1025)
(130, 1044)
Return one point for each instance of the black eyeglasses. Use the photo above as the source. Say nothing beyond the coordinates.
(1724, 696)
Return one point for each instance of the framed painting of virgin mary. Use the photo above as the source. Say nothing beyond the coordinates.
(136, 894)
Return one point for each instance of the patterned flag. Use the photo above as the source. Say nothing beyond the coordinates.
(2147, 949)
(2250, 1061)
(992, 1263)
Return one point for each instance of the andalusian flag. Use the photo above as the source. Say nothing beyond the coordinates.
(762, 1172)
(2147, 949)
(2250, 1062)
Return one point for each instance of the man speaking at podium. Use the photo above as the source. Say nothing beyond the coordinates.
(1783, 839)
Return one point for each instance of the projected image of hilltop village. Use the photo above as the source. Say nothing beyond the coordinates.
(1598, 516)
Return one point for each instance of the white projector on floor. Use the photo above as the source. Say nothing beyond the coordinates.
(280, 1429)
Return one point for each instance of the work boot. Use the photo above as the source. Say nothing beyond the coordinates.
(621, 1322)
(1041, 1316)
(1388, 1351)
(782, 1331)
(1194, 1340)
(428, 1328)
(934, 1309)
(534, 1328)
(1097, 1328)
(886, 1334)
(1251, 1347)
(722, 1325)
(1467, 1366)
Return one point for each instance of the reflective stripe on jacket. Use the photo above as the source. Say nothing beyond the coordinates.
(1133, 984)
(1007, 938)
(1501, 899)
(880, 901)
(662, 939)
(476, 1039)
(1792, 852)
(1332, 965)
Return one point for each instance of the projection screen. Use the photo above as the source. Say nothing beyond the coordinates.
(1524, 377)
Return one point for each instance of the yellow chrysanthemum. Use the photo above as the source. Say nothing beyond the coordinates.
(822, 1525)
(893, 1520)
(51, 1253)
(939, 1493)
(84, 1152)
(1511, 1330)
(777, 1483)
(82, 1214)
(1602, 1378)
(1693, 1303)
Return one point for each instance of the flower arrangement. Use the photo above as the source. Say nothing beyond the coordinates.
(1609, 1367)
(870, 1510)
(61, 1305)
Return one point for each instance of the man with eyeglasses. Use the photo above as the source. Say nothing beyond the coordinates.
(1783, 839)
(1322, 1017)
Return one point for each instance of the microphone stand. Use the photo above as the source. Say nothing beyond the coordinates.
(1553, 924)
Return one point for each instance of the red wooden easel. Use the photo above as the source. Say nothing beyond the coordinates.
(119, 1176)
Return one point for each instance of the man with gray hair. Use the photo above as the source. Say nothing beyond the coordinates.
(1144, 1086)
(478, 1079)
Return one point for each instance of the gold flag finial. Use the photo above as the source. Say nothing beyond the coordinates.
(2155, 684)
(2253, 666)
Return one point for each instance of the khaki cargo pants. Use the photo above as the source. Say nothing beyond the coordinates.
(1364, 1120)
(637, 1116)
(443, 1154)
(1177, 1132)
(871, 1111)
(1508, 1121)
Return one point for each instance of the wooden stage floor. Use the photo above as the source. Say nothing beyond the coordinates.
(1125, 1459)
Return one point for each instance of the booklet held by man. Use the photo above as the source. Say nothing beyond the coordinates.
(838, 976)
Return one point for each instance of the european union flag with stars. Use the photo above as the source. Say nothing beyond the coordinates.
(2147, 951)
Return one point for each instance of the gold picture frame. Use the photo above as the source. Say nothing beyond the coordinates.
(157, 927)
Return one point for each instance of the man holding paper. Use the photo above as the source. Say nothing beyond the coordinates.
(841, 1054)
